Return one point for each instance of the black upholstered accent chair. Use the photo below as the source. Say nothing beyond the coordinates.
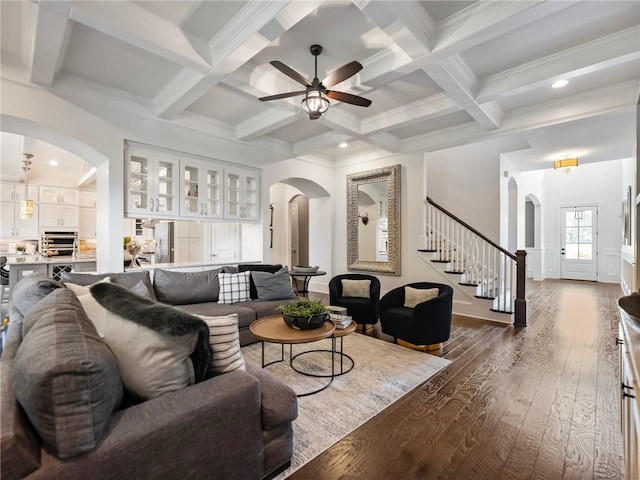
(364, 311)
(427, 324)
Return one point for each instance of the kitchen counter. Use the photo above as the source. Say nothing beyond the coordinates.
(38, 260)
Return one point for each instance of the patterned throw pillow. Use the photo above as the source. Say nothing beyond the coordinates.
(234, 287)
(414, 296)
(224, 339)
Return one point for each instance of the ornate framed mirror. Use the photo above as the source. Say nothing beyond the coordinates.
(373, 221)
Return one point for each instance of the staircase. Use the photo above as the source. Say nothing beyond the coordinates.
(480, 270)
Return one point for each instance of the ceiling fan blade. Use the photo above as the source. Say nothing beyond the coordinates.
(290, 72)
(282, 95)
(348, 98)
(341, 74)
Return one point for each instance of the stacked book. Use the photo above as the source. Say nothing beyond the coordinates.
(341, 321)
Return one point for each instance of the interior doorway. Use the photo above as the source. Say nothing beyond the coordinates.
(579, 231)
(299, 230)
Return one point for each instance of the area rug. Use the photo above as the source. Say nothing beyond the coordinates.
(383, 373)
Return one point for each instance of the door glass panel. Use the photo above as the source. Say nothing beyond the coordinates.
(138, 181)
(578, 235)
(191, 189)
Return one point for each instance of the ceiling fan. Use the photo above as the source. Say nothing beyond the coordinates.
(315, 101)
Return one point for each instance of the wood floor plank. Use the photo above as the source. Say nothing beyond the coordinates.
(539, 402)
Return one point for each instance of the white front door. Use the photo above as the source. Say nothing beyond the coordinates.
(224, 241)
(579, 254)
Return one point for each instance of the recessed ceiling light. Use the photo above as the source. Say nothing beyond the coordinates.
(560, 83)
(53, 163)
(343, 145)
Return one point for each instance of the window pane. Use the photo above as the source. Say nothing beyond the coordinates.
(569, 219)
(587, 218)
(585, 252)
(585, 235)
(571, 251)
(571, 235)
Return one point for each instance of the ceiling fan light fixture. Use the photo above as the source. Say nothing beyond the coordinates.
(315, 103)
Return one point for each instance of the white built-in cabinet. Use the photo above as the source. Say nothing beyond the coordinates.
(201, 189)
(242, 198)
(59, 207)
(87, 223)
(152, 184)
(11, 225)
(160, 184)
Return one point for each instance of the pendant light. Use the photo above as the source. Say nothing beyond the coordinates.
(26, 205)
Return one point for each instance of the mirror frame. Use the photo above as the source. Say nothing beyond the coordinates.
(390, 175)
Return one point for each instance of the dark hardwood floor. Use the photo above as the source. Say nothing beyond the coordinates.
(535, 403)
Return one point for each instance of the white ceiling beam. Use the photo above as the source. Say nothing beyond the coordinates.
(567, 109)
(486, 20)
(265, 122)
(88, 178)
(407, 23)
(454, 77)
(590, 57)
(235, 44)
(140, 28)
(50, 41)
(341, 121)
(432, 107)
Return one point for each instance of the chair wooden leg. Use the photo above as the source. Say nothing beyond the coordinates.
(422, 348)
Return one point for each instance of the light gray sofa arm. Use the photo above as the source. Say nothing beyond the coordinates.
(210, 430)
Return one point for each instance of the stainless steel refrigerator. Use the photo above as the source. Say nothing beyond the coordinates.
(163, 236)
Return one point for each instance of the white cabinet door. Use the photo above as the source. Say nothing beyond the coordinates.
(152, 189)
(181, 250)
(87, 225)
(49, 194)
(15, 192)
(59, 215)
(242, 194)
(87, 198)
(6, 193)
(25, 228)
(196, 252)
(7, 228)
(64, 195)
(69, 196)
(200, 190)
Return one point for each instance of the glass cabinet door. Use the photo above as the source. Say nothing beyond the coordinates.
(233, 195)
(165, 201)
(190, 195)
(139, 195)
(213, 186)
(252, 197)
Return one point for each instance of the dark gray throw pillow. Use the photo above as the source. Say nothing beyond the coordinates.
(273, 286)
(257, 267)
(31, 289)
(184, 288)
(64, 376)
(126, 279)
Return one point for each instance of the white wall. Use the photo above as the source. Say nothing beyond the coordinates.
(466, 181)
(589, 184)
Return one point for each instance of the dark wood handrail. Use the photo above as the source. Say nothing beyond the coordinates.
(466, 225)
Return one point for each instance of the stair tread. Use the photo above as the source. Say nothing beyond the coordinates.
(426, 250)
(468, 284)
(440, 261)
(457, 272)
(485, 297)
(501, 311)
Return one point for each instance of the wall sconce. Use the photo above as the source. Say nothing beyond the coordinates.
(364, 217)
(566, 164)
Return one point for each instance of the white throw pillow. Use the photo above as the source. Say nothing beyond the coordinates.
(95, 311)
(356, 288)
(234, 287)
(414, 296)
(150, 363)
(224, 339)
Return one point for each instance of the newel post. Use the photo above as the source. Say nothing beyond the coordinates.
(521, 304)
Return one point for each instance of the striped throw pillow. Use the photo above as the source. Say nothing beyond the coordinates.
(224, 339)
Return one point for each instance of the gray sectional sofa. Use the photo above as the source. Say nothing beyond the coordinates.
(236, 425)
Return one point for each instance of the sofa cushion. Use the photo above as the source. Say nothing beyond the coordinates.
(263, 309)
(356, 288)
(234, 287)
(414, 296)
(257, 267)
(126, 279)
(64, 376)
(30, 290)
(159, 348)
(279, 401)
(181, 288)
(225, 343)
(273, 286)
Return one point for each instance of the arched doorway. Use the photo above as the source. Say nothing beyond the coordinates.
(533, 236)
(299, 230)
(512, 226)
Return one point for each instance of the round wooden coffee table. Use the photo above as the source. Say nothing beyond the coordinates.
(273, 330)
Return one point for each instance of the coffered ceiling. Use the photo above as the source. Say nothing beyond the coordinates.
(439, 73)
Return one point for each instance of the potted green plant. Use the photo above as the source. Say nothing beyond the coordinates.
(304, 314)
